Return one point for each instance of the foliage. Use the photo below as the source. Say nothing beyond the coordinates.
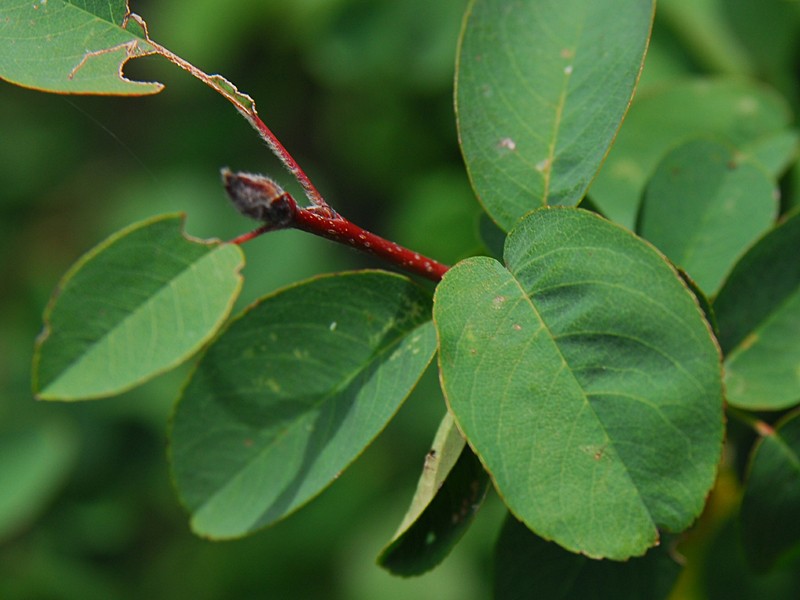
(140, 324)
(578, 460)
(581, 375)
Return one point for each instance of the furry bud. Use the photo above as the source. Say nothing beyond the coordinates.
(259, 197)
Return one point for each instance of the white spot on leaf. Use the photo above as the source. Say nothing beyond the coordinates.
(507, 143)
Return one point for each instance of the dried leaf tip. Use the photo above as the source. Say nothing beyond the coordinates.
(259, 197)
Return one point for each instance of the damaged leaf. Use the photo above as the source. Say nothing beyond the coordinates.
(73, 47)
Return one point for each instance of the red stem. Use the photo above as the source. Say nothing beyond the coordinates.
(261, 198)
(287, 159)
(246, 237)
(253, 194)
(343, 231)
(246, 107)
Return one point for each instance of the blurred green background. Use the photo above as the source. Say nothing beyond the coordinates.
(360, 91)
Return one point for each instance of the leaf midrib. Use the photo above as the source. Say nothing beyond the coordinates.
(587, 403)
(312, 408)
(167, 287)
(559, 114)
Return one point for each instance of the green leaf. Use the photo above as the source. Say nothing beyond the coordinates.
(135, 306)
(735, 111)
(758, 314)
(774, 152)
(35, 463)
(72, 46)
(703, 208)
(586, 380)
(526, 566)
(292, 392)
(540, 93)
(449, 493)
(771, 502)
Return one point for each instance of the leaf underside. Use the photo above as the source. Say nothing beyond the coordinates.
(451, 490)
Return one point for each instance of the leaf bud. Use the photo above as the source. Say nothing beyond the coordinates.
(259, 197)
